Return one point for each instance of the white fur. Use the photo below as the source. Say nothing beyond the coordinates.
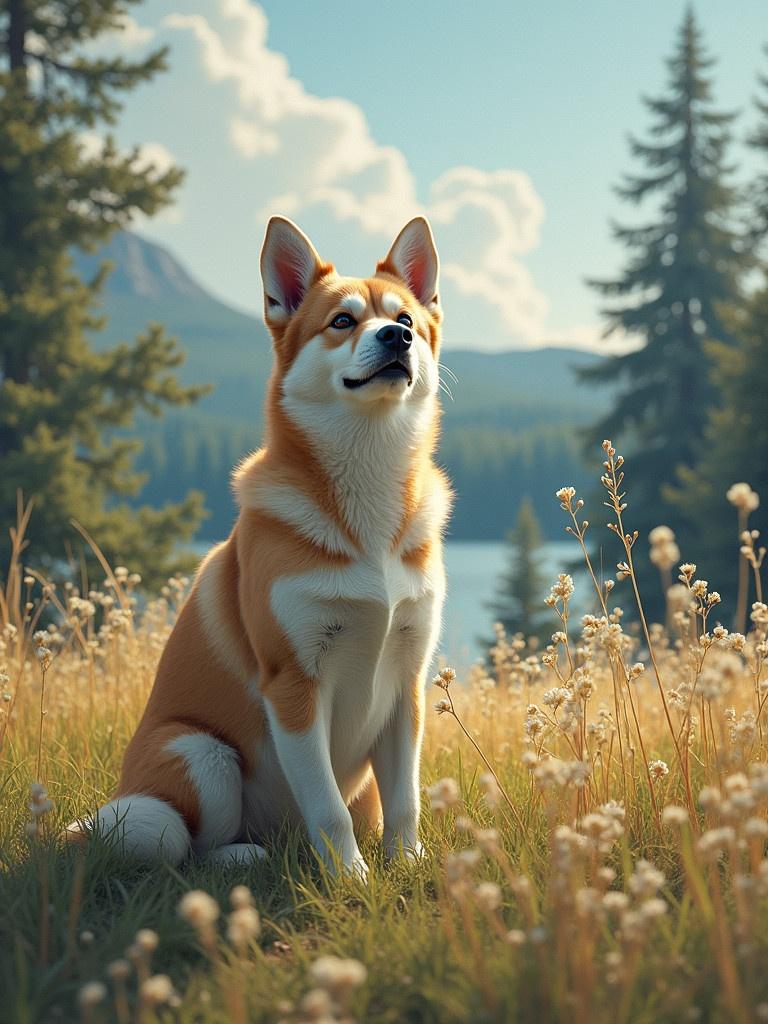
(236, 853)
(293, 506)
(367, 633)
(143, 827)
(214, 769)
(391, 303)
(305, 760)
(354, 304)
(366, 440)
(430, 516)
(395, 759)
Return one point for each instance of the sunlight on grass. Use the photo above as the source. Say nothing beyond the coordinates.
(594, 825)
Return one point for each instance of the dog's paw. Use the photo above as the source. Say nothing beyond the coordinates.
(415, 852)
(357, 867)
(411, 850)
(236, 853)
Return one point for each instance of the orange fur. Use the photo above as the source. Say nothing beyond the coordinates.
(268, 549)
(366, 807)
(417, 707)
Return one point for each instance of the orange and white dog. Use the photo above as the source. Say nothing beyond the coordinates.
(292, 686)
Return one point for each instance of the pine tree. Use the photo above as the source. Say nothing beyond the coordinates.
(62, 404)
(519, 601)
(735, 451)
(758, 140)
(683, 270)
(736, 436)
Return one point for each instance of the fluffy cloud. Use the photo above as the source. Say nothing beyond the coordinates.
(317, 152)
(317, 159)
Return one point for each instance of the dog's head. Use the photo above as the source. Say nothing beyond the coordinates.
(371, 342)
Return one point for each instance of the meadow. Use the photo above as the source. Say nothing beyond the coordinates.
(594, 822)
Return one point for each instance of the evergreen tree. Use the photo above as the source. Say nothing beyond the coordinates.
(61, 403)
(736, 435)
(683, 270)
(735, 451)
(759, 142)
(521, 589)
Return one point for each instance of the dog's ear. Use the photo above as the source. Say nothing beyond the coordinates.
(290, 265)
(413, 258)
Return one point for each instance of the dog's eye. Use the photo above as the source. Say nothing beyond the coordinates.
(342, 322)
(405, 320)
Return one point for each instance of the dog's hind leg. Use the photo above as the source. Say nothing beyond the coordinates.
(180, 791)
(365, 808)
(213, 768)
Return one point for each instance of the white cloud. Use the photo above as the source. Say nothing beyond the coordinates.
(250, 140)
(317, 158)
(322, 148)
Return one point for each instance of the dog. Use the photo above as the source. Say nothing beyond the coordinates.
(292, 685)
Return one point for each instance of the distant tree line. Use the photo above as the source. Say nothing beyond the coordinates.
(490, 468)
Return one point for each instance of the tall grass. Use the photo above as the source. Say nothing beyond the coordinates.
(594, 827)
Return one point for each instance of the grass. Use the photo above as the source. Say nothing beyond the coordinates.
(594, 830)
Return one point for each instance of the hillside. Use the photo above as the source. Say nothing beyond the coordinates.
(509, 431)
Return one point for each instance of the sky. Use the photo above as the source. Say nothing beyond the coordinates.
(506, 123)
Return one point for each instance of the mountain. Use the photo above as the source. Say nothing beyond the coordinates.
(229, 349)
(510, 430)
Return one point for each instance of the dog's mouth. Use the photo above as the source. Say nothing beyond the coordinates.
(391, 371)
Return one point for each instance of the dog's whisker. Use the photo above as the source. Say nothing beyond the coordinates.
(449, 371)
(444, 387)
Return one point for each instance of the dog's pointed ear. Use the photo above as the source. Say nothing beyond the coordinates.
(290, 265)
(413, 258)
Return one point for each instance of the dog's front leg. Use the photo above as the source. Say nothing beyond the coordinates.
(396, 759)
(305, 759)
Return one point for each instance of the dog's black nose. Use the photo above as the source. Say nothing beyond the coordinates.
(396, 338)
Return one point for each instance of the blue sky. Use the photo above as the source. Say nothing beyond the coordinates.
(505, 122)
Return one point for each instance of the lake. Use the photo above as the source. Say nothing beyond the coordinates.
(473, 567)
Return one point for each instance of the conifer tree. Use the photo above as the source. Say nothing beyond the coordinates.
(758, 140)
(683, 270)
(62, 403)
(735, 451)
(519, 601)
(736, 435)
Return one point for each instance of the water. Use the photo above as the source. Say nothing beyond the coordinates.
(473, 568)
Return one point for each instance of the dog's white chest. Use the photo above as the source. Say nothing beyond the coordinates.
(362, 632)
(326, 611)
